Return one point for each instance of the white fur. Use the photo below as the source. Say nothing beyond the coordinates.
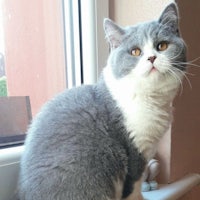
(145, 98)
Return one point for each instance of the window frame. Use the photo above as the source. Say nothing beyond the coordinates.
(84, 52)
(85, 39)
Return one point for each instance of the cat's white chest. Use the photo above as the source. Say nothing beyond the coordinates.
(146, 122)
(146, 117)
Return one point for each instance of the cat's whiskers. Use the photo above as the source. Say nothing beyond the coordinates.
(176, 70)
(177, 78)
(188, 63)
(180, 65)
(195, 59)
(185, 75)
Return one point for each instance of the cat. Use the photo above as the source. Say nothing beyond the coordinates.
(93, 142)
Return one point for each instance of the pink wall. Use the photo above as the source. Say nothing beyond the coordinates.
(185, 157)
(129, 12)
(34, 49)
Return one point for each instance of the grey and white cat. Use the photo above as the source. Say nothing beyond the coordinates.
(93, 142)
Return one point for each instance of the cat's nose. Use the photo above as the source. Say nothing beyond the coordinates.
(152, 59)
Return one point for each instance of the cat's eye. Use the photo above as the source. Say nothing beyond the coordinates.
(162, 46)
(136, 52)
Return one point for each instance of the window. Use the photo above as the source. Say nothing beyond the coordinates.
(43, 50)
(37, 62)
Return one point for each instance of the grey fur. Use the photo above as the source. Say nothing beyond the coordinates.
(78, 147)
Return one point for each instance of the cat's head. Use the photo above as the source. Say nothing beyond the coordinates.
(148, 52)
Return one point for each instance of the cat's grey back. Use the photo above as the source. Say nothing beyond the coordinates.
(77, 149)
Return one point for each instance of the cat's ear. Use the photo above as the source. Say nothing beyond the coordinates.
(169, 18)
(114, 33)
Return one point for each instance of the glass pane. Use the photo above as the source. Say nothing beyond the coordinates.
(32, 56)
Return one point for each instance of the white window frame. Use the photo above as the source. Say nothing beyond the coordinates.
(93, 50)
(72, 42)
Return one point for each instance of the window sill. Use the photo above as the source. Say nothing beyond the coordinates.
(9, 169)
(174, 190)
(10, 155)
